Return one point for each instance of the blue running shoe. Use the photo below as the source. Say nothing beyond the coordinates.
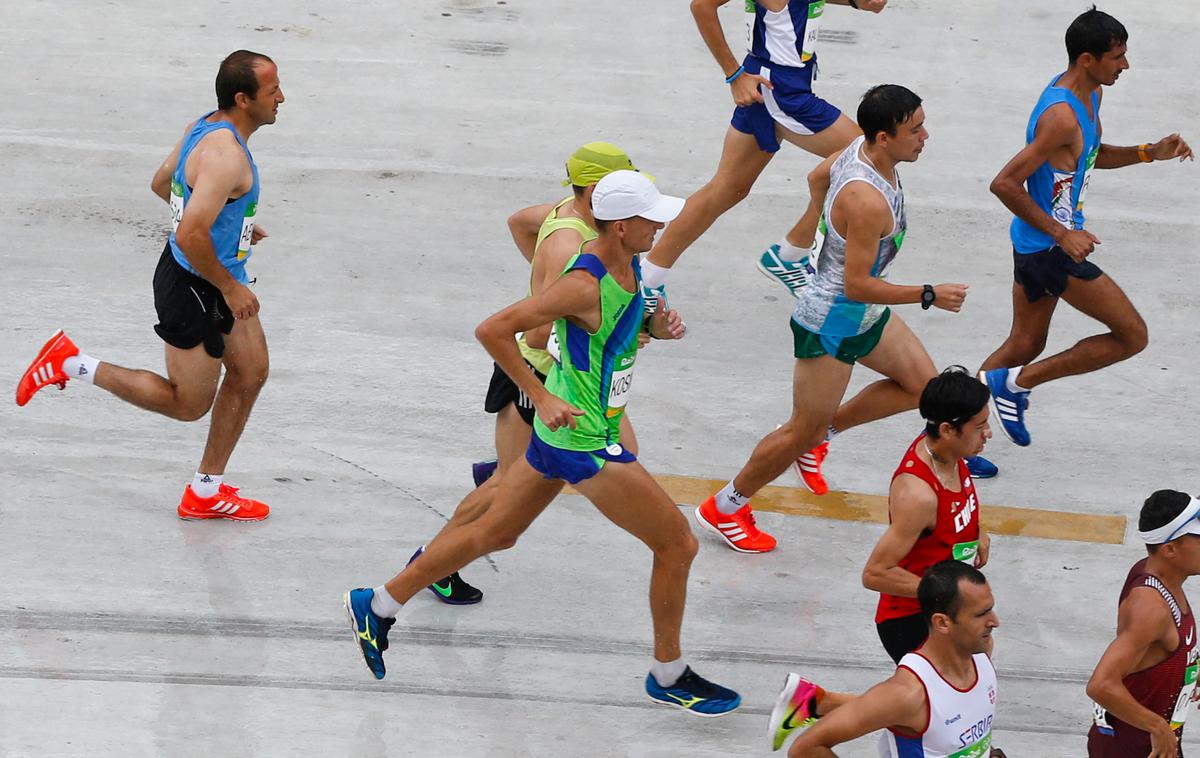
(981, 468)
(482, 471)
(794, 275)
(694, 694)
(1009, 406)
(370, 631)
(651, 297)
(452, 590)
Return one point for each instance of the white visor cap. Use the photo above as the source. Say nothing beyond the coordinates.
(625, 194)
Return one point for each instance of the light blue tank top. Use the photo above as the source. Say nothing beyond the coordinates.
(1058, 193)
(232, 229)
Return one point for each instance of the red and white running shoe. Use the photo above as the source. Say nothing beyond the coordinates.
(226, 504)
(737, 528)
(808, 467)
(47, 367)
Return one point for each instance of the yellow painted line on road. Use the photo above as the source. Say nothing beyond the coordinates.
(851, 506)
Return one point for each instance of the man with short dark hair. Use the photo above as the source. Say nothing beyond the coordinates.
(207, 315)
(1044, 187)
(596, 308)
(842, 317)
(939, 703)
(933, 512)
(1144, 686)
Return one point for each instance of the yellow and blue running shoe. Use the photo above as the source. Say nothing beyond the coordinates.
(694, 694)
(370, 630)
(795, 708)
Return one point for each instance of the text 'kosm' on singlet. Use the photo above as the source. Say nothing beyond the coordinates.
(823, 306)
(1059, 193)
(960, 721)
(787, 37)
(537, 357)
(234, 226)
(595, 370)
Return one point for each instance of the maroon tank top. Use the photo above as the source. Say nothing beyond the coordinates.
(1164, 688)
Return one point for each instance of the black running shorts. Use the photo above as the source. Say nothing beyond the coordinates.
(1044, 273)
(502, 390)
(191, 311)
(903, 635)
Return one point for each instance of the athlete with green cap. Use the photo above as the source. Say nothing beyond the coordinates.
(547, 235)
(596, 310)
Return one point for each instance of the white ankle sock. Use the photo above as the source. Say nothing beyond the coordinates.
(384, 605)
(729, 500)
(666, 674)
(81, 367)
(1011, 382)
(790, 253)
(206, 485)
(830, 433)
(653, 276)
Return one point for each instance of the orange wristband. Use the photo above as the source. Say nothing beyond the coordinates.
(1142, 156)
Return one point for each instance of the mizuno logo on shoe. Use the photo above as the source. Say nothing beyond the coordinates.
(366, 635)
(685, 702)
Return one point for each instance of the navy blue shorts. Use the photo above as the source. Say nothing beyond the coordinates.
(1045, 273)
(572, 466)
(791, 104)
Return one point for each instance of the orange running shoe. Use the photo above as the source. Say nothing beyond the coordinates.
(226, 504)
(808, 466)
(737, 528)
(47, 367)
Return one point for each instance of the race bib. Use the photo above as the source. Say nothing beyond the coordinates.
(176, 205)
(966, 551)
(1184, 701)
(750, 26)
(1100, 719)
(618, 392)
(812, 29)
(244, 240)
(552, 346)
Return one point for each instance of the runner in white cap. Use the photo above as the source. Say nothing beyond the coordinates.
(597, 313)
(1145, 683)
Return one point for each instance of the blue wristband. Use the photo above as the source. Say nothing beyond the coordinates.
(740, 70)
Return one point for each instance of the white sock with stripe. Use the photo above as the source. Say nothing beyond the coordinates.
(206, 485)
(666, 674)
(792, 254)
(729, 500)
(81, 367)
(384, 605)
(1011, 382)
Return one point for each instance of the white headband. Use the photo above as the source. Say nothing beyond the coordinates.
(1177, 527)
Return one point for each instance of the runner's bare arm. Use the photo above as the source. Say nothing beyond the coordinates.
(898, 702)
(524, 225)
(552, 257)
(576, 295)
(744, 88)
(1143, 621)
(1056, 129)
(913, 507)
(160, 183)
(1171, 146)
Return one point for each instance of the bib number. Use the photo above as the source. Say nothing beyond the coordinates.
(245, 238)
(1184, 701)
(966, 551)
(176, 205)
(618, 392)
(552, 346)
(812, 29)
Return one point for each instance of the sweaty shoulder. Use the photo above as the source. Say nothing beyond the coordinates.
(862, 202)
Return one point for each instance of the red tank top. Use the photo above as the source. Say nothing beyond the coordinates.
(1165, 688)
(954, 535)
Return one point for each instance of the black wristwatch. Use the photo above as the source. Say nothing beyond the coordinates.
(927, 297)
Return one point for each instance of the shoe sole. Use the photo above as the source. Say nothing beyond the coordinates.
(705, 525)
(766, 272)
(221, 518)
(653, 699)
(37, 361)
(354, 630)
(790, 683)
(996, 411)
